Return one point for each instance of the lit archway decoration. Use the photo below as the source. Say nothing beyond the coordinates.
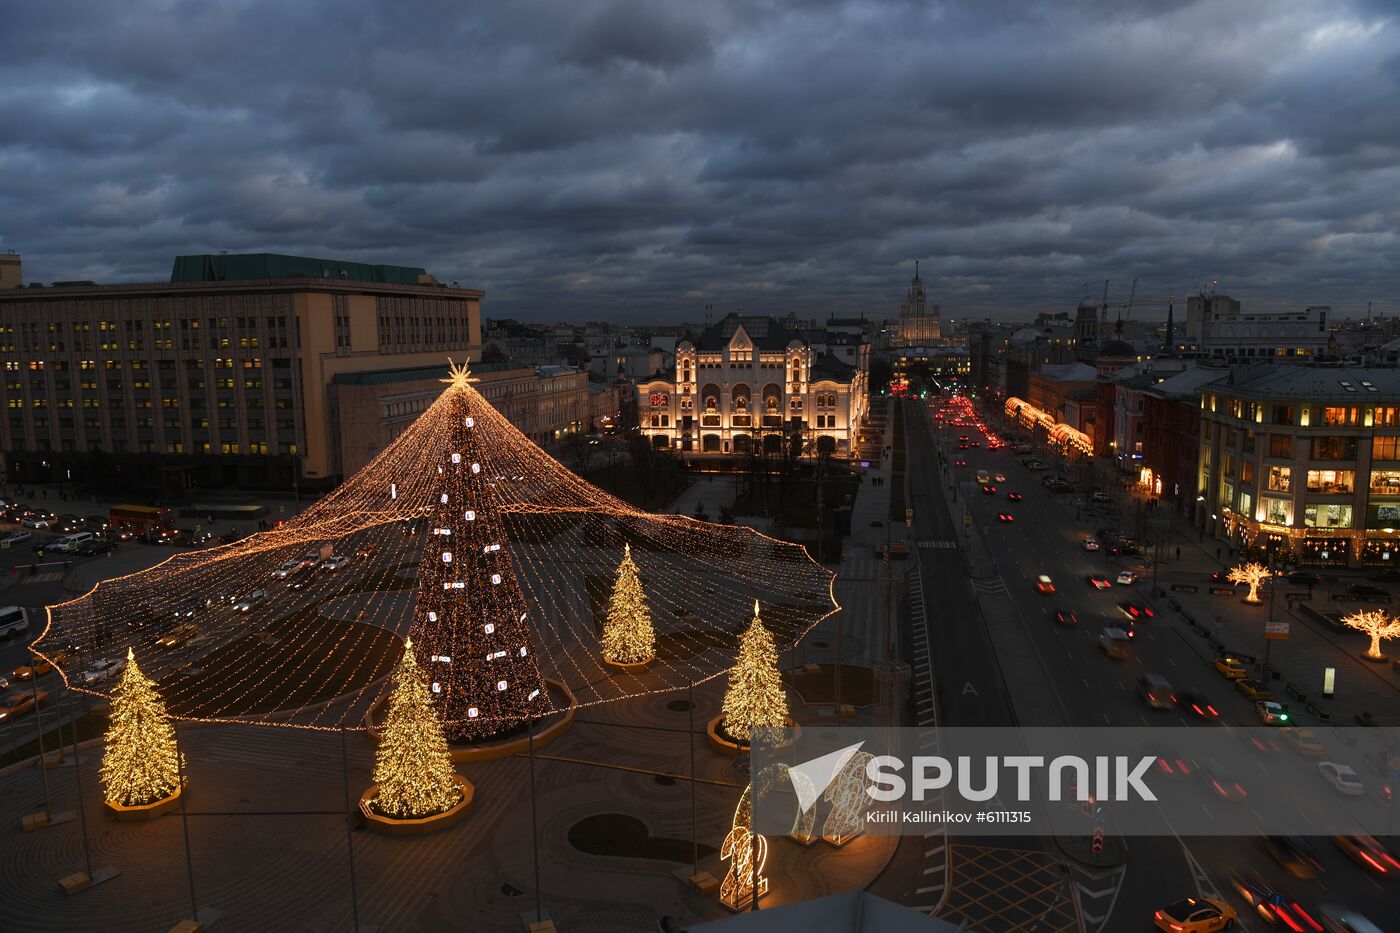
(466, 535)
(848, 798)
(747, 854)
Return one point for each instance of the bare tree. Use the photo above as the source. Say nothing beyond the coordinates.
(1253, 574)
(1377, 624)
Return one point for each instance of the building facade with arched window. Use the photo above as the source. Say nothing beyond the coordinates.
(748, 381)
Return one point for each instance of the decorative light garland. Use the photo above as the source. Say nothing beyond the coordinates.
(517, 560)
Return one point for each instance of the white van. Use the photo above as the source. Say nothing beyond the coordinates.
(72, 542)
(14, 620)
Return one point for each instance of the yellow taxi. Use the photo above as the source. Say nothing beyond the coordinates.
(44, 665)
(1232, 668)
(1304, 741)
(1196, 915)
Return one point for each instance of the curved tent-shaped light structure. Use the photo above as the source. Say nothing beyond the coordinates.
(254, 632)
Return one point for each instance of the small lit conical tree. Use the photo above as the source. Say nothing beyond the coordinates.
(140, 764)
(628, 637)
(755, 699)
(412, 767)
(1377, 624)
(1253, 574)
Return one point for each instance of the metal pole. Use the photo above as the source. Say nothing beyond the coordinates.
(39, 729)
(185, 823)
(694, 826)
(753, 850)
(349, 832)
(534, 817)
(78, 773)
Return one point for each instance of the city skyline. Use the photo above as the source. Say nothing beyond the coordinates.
(636, 163)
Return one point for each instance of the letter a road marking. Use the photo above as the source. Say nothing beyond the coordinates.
(968, 688)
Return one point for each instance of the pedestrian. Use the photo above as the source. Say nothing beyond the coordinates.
(1178, 553)
(1217, 553)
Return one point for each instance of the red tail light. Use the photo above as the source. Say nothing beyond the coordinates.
(1373, 863)
(1391, 859)
(1218, 789)
(1212, 711)
(1181, 766)
(1241, 790)
(1198, 710)
(1312, 924)
(1162, 763)
(1286, 918)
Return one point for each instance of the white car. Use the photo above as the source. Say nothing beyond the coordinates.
(1090, 544)
(1101, 497)
(104, 669)
(1271, 712)
(1342, 778)
(35, 523)
(287, 569)
(247, 603)
(1127, 578)
(335, 562)
(15, 537)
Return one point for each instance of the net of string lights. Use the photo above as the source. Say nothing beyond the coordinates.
(463, 534)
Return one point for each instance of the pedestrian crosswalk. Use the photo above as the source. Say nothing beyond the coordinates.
(859, 568)
(989, 586)
(938, 545)
(48, 576)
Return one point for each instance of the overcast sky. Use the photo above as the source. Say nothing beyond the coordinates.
(638, 161)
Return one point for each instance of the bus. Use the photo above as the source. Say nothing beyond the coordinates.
(14, 620)
(142, 519)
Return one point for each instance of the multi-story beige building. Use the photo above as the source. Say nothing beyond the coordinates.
(223, 375)
(1303, 463)
(749, 378)
(563, 405)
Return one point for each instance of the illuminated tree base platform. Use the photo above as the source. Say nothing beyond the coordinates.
(723, 744)
(630, 666)
(147, 811)
(840, 839)
(389, 826)
(546, 729)
(1383, 659)
(744, 901)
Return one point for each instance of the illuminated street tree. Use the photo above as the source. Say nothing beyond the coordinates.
(1377, 624)
(470, 629)
(1253, 574)
(755, 699)
(141, 764)
(628, 637)
(412, 766)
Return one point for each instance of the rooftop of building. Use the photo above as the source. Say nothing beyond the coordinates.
(246, 267)
(765, 332)
(253, 272)
(1069, 372)
(1186, 382)
(1313, 383)
(376, 377)
(827, 366)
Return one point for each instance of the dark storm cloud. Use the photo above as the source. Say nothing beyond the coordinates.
(640, 160)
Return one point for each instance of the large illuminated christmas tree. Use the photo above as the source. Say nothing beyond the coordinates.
(141, 764)
(471, 629)
(755, 699)
(628, 636)
(412, 768)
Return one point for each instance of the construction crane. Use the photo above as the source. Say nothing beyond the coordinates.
(1125, 308)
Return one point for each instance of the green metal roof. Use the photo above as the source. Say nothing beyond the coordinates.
(252, 266)
(378, 377)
